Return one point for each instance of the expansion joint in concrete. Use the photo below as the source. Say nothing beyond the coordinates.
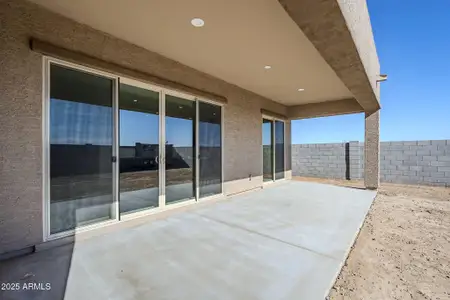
(264, 235)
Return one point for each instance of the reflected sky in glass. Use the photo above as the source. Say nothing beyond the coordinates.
(63, 112)
(72, 123)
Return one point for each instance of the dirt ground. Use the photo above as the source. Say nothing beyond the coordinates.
(403, 249)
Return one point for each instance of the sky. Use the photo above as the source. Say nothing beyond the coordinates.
(413, 45)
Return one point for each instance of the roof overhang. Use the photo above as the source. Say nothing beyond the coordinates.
(325, 109)
(310, 62)
(342, 33)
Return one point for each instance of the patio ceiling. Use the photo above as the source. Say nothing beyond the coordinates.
(238, 40)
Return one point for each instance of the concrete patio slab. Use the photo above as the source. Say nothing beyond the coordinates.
(287, 241)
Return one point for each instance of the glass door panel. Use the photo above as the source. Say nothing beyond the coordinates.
(210, 149)
(267, 141)
(138, 148)
(179, 149)
(279, 150)
(81, 139)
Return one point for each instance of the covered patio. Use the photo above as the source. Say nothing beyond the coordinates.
(288, 240)
(112, 116)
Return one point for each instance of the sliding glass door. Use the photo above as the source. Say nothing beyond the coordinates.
(267, 139)
(210, 149)
(180, 162)
(80, 134)
(138, 148)
(118, 146)
(272, 149)
(279, 150)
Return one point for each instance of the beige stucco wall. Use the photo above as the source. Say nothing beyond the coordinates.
(372, 150)
(325, 109)
(357, 16)
(21, 213)
(341, 32)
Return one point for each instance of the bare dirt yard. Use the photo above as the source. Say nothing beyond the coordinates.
(403, 249)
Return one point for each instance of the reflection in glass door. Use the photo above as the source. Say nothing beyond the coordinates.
(118, 146)
(138, 148)
(279, 150)
(267, 140)
(210, 149)
(273, 149)
(81, 147)
(179, 149)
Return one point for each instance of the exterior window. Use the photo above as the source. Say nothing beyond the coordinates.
(210, 149)
(81, 141)
(180, 160)
(279, 150)
(139, 148)
(267, 138)
(273, 149)
(117, 146)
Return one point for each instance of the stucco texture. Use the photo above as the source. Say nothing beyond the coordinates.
(341, 32)
(21, 212)
(372, 151)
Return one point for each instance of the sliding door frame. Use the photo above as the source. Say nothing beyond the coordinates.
(222, 106)
(272, 120)
(162, 144)
(161, 167)
(197, 152)
(272, 146)
(117, 79)
(46, 63)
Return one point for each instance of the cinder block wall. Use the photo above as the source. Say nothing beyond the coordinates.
(319, 160)
(416, 162)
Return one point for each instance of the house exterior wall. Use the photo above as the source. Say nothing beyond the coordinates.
(21, 204)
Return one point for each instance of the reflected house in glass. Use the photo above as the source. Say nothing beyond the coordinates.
(140, 156)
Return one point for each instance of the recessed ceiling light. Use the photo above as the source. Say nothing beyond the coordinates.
(267, 67)
(180, 107)
(197, 22)
(134, 100)
(300, 90)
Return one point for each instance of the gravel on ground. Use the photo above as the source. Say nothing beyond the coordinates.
(403, 248)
